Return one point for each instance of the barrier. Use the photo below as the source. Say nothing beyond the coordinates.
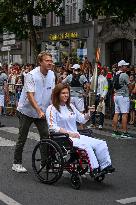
(14, 95)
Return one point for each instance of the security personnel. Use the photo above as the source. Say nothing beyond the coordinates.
(35, 98)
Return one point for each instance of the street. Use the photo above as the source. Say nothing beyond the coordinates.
(25, 189)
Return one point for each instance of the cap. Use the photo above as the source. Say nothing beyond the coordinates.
(122, 62)
(76, 66)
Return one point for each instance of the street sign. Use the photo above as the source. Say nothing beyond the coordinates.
(6, 48)
(9, 42)
(8, 36)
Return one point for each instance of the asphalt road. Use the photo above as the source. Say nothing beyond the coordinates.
(25, 189)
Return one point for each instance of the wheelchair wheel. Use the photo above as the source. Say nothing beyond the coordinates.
(76, 180)
(47, 161)
(100, 178)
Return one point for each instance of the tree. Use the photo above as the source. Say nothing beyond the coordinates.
(122, 10)
(17, 16)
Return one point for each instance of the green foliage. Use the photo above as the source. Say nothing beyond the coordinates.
(122, 10)
(13, 14)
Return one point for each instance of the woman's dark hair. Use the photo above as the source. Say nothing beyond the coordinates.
(56, 96)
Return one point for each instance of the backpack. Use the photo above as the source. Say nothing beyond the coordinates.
(116, 84)
(75, 82)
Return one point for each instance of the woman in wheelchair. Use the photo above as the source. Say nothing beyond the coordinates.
(62, 117)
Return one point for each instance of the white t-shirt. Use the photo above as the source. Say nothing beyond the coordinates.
(42, 87)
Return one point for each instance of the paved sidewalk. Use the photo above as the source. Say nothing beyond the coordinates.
(107, 129)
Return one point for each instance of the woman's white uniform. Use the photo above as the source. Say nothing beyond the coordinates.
(97, 150)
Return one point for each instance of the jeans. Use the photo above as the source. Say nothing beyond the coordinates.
(24, 125)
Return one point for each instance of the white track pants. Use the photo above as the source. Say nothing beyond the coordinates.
(96, 149)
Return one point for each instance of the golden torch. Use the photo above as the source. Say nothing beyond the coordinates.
(94, 80)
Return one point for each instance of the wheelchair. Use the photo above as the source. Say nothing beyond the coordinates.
(52, 156)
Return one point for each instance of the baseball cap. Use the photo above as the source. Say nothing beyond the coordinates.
(76, 66)
(122, 62)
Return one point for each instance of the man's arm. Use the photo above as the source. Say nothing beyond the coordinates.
(67, 79)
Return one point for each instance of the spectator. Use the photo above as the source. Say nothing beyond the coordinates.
(102, 90)
(122, 102)
(132, 95)
(3, 90)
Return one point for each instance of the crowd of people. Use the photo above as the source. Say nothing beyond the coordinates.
(79, 75)
(61, 94)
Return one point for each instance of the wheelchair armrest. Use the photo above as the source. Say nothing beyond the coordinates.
(86, 131)
(62, 139)
(59, 134)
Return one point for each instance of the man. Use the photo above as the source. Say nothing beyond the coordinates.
(102, 90)
(76, 82)
(27, 68)
(35, 98)
(3, 90)
(121, 99)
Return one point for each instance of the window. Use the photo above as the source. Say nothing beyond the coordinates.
(56, 20)
(72, 8)
(48, 20)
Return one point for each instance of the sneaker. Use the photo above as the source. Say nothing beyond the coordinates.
(116, 133)
(100, 127)
(108, 170)
(1, 125)
(95, 172)
(18, 168)
(91, 126)
(125, 135)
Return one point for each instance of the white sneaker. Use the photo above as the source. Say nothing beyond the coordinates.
(100, 127)
(18, 168)
(91, 126)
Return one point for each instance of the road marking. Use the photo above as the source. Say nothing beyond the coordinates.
(14, 130)
(7, 200)
(127, 200)
(6, 143)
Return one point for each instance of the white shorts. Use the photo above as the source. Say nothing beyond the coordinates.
(78, 103)
(122, 104)
(1, 100)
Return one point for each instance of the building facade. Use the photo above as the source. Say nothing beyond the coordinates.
(75, 35)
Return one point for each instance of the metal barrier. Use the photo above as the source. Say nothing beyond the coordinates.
(14, 95)
(15, 92)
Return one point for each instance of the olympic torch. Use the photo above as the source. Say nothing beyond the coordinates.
(94, 81)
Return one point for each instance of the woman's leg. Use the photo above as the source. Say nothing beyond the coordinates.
(83, 143)
(101, 151)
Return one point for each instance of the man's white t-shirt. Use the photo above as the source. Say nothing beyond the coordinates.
(42, 87)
